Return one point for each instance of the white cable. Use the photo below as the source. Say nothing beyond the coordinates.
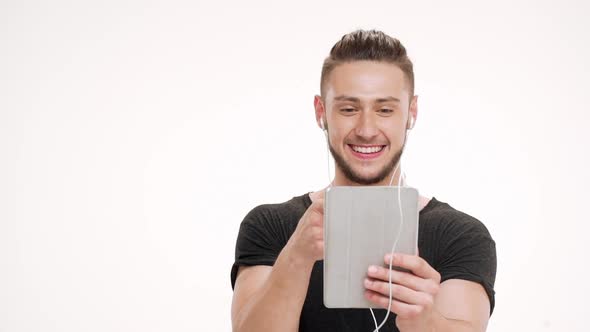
(401, 214)
(328, 154)
(399, 184)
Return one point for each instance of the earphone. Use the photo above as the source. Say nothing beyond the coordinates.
(325, 130)
(401, 215)
(411, 123)
(323, 125)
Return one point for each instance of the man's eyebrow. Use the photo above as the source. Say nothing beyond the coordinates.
(357, 100)
(387, 99)
(347, 98)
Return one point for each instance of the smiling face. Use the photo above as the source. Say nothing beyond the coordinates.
(366, 107)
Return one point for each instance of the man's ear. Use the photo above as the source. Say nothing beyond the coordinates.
(320, 111)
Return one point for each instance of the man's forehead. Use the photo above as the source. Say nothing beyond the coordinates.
(367, 80)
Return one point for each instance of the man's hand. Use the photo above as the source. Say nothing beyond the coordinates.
(413, 293)
(271, 298)
(307, 242)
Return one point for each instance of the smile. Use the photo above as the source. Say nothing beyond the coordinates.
(367, 149)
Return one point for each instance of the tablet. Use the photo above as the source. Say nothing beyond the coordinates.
(360, 226)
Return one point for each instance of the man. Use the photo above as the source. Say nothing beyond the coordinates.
(367, 105)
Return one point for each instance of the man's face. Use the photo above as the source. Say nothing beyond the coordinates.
(366, 106)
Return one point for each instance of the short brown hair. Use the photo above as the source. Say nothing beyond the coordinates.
(368, 45)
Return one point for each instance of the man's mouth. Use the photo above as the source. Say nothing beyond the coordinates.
(367, 150)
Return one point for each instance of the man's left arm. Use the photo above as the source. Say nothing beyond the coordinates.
(422, 302)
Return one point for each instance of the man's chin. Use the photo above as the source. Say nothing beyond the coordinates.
(363, 174)
(367, 179)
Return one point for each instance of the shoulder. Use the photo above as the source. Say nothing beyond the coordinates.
(443, 217)
(284, 212)
(445, 232)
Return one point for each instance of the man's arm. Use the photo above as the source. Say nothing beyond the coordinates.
(463, 304)
(271, 298)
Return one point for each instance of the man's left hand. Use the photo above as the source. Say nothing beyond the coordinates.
(413, 293)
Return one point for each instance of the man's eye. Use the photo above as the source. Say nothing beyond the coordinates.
(385, 111)
(347, 110)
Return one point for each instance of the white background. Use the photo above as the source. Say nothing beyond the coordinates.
(135, 136)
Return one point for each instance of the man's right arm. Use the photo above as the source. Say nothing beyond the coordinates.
(271, 298)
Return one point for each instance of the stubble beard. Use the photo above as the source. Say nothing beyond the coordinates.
(355, 177)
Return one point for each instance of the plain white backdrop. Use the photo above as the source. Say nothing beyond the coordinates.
(136, 135)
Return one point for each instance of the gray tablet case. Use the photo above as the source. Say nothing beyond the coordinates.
(360, 227)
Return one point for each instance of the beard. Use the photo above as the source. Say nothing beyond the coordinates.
(355, 177)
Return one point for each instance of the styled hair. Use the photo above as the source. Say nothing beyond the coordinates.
(371, 45)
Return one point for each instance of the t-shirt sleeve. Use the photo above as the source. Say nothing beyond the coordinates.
(469, 253)
(260, 239)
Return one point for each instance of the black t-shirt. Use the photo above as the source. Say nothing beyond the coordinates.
(457, 245)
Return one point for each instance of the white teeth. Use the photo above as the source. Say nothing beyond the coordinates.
(362, 149)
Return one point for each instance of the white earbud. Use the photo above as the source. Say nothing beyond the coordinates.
(323, 125)
(411, 123)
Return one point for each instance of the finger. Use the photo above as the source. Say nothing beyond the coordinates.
(414, 263)
(403, 310)
(403, 278)
(315, 214)
(317, 233)
(319, 247)
(318, 206)
(400, 293)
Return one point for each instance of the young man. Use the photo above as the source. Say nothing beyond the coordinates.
(367, 106)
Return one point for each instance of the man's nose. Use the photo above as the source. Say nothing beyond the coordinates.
(366, 126)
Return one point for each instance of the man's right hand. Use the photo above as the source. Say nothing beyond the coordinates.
(281, 289)
(307, 242)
